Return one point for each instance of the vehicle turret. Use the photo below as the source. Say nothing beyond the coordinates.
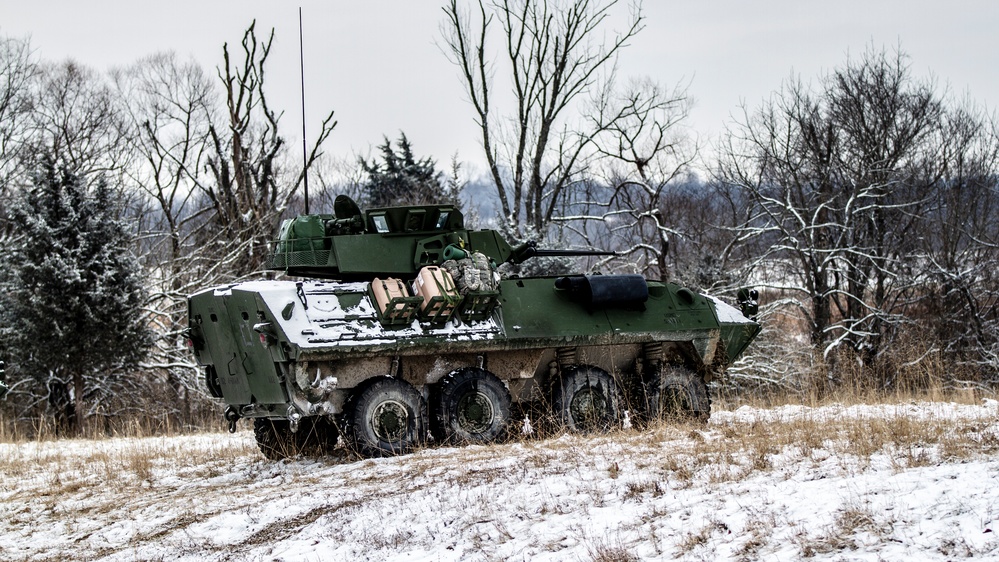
(352, 245)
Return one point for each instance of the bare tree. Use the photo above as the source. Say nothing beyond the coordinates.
(250, 188)
(888, 126)
(335, 175)
(643, 155)
(960, 247)
(553, 52)
(215, 179)
(63, 108)
(841, 182)
(75, 114)
(199, 171)
(169, 106)
(18, 70)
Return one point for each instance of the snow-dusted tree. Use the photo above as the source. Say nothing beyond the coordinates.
(644, 161)
(168, 105)
(73, 295)
(842, 180)
(960, 253)
(214, 177)
(399, 178)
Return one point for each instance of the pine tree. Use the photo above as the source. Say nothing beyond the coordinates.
(401, 179)
(73, 314)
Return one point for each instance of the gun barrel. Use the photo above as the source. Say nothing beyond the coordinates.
(574, 253)
(530, 249)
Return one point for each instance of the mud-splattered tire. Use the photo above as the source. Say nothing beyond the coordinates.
(315, 437)
(387, 417)
(473, 407)
(274, 438)
(677, 393)
(586, 400)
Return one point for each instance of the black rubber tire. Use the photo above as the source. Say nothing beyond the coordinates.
(473, 407)
(586, 400)
(274, 438)
(676, 393)
(387, 417)
(315, 437)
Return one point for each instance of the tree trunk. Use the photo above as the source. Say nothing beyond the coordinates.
(78, 412)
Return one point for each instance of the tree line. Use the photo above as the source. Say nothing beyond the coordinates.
(862, 204)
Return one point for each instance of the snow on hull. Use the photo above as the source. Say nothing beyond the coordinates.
(728, 314)
(326, 322)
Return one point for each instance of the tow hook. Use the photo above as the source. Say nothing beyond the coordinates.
(231, 416)
(294, 416)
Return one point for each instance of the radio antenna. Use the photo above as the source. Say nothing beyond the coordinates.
(305, 152)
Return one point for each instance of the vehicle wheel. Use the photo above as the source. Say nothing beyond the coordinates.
(586, 400)
(474, 406)
(315, 437)
(388, 417)
(274, 438)
(675, 392)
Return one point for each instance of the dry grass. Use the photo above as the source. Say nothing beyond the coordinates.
(609, 550)
(719, 452)
(757, 533)
(783, 367)
(87, 466)
(852, 522)
(700, 537)
(45, 429)
(904, 441)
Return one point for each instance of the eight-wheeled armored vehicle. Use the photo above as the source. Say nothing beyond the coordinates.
(405, 332)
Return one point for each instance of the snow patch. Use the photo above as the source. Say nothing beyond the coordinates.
(728, 314)
(319, 318)
(214, 497)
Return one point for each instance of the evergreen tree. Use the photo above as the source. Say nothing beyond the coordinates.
(73, 316)
(401, 179)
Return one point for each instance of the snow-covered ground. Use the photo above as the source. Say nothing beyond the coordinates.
(914, 481)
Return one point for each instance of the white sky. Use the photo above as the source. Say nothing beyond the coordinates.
(377, 63)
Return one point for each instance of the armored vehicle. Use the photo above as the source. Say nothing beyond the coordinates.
(405, 332)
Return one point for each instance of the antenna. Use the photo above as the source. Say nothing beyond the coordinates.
(305, 152)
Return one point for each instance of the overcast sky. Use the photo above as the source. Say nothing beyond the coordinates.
(377, 63)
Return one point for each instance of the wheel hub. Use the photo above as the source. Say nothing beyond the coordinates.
(390, 421)
(475, 412)
(588, 407)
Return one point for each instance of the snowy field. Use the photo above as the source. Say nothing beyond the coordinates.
(915, 481)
